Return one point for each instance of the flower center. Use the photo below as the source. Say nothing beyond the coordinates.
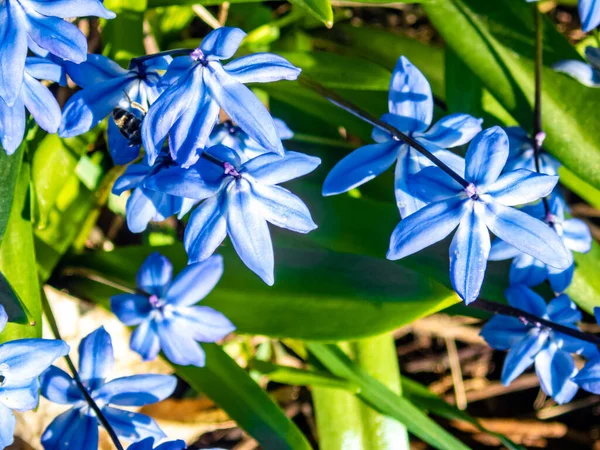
(156, 302)
(230, 170)
(198, 55)
(471, 191)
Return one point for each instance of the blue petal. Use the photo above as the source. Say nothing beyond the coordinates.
(41, 104)
(282, 208)
(582, 72)
(177, 181)
(155, 274)
(360, 166)
(560, 279)
(522, 297)
(132, 178)
(173, 445)
(274, 169)
(588, 378)
(144, 340)
(469, 252)
(501, 251)
(205, 230)
(145, 444)
(431, 184)
(71, 429)
(527, 270)
(137, 390)
(12, 125)
(222, 43)
(28, 358)
(453, 130)
(96, 358)
(71, 8)
(261, 68)
(44, 69)
(121, 151)
(178, 67)
(132, 426)
(131, 309)
(589, 13)
(563, 310)
(3, 318)
(242, 106)
(13, 51)
(520, 357)
(527, 234)
(576, 235)
(503, 333)
(405, 124)
(486, 156)
(406, 191)
(555, 368)
(95, 70)
(59, 387)
(410, 94)
(205, 324)
(425, 227)
(145, 205)
(195, 282)
(592, 54)
(249, 232)
(21, 396)
(7, 426)
(283, 130)
(179, 345)
(521, 187)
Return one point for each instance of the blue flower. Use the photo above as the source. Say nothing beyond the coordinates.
(484, 205)
(521, 154)
(410, 104)
(77, 428)
(106, 85)
(586, 74)
(527, 270)
(34, 96)
(148, 444)
(527, 344)
(199, 85)
(39, 25)
(145, 205)
(239, 200)
(164, 311)
(21, 363)
(247, 148)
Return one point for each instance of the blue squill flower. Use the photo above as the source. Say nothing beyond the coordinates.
(527, 270)
(21, 363)
(77, 428)
(521, 154)
(144, 205)
(410, 106)
(586, 74)
(148, 444)
(239, 200)
(485, 204)
(588, 378)
(34, 96)
(199, 85)
(527, 344)
(106, 85)
(164, 310)
(39, 25)
(234, 137)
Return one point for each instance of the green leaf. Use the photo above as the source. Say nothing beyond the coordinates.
(123, 36)
(383, 399)
(495, 40)
(585, 287)
(17, 259)
(228, 385)
(320, 9)
(367, 295)
(9, 172)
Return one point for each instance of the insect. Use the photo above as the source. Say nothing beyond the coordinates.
(129, 124)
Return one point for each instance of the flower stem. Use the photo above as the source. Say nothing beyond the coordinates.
(533, 320)
(398, 135)
(88, 398)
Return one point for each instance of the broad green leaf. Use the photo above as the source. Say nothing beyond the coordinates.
(14, 307)
(464, 91)
(17, 259)
(495, 40)
(9, 173)
(318, 295)
(320, 9)
(123, 36)
(584, 190)
(229, 386)
(383, 399)
(585, 287)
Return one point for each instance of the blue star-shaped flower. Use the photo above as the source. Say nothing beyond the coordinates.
(527, 270)
(34, 96)
(411, 111)
(484, 205)
(145, 205)
(234, 137)
(21, 363)
(77, 428)
(521, 154)
(586, 74)
(239, 200)
(165, 314)
(106, 85)
(148, 444)
(528, 344)
(199, 85)
(39, 25)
